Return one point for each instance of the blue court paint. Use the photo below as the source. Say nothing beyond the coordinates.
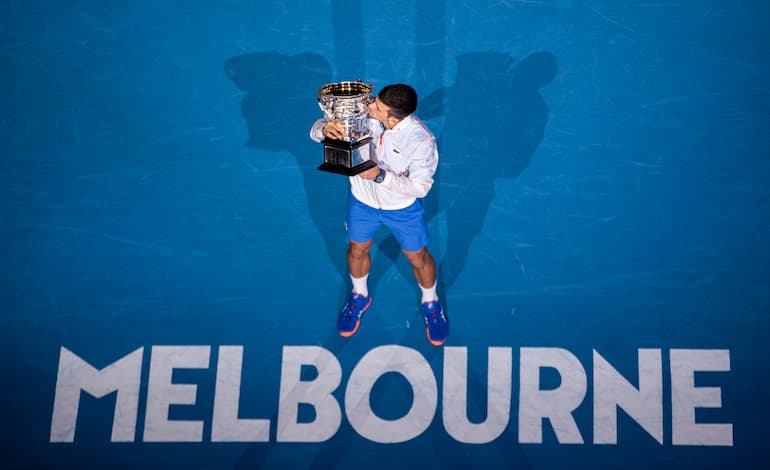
(601, 207)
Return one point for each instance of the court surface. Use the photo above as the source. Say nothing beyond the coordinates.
(601, 214)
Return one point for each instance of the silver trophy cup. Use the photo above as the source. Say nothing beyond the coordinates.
(347, 102)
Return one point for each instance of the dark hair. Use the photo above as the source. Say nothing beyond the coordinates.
(400, 98)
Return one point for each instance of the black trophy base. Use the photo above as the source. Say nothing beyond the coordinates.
(345, 170)
(346, 158)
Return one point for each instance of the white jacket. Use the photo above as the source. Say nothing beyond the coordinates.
(407, 153)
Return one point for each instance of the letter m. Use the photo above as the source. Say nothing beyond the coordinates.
(75, 375)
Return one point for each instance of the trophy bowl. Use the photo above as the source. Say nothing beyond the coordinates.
(348, 103)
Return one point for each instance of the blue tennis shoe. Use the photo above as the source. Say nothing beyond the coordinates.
(350, 317)
(436, 324)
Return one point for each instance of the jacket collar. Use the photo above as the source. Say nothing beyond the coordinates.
(403, 123)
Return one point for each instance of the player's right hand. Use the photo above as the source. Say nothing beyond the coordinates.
(334, 130)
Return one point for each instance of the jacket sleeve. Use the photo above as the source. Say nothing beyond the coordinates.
(417, 181)
(316, 132)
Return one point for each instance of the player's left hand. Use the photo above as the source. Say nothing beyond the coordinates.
(370, 174)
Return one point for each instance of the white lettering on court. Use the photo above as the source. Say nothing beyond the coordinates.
(162, 393)
(76, 375)
(686, 397)
(557, 404)
(612, 391)
(416, 370)
(317, 393)
(455, 395)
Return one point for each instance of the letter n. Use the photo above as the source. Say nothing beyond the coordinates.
(612, 391)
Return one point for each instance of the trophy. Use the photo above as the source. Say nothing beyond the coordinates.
(347, 102)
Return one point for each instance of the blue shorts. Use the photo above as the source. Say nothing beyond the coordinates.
(407, 224)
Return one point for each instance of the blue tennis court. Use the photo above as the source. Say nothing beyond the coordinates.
(174, 262)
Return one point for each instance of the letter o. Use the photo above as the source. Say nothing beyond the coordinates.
(416, 370)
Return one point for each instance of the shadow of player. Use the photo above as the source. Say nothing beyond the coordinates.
(279, 107)
(494, 120)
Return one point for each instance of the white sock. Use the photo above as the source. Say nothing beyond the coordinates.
(429, 294)
(359, 285)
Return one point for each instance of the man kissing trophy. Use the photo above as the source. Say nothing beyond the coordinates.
(347, 102)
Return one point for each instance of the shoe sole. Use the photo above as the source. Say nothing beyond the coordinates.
(348, 334)
(432, 341)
